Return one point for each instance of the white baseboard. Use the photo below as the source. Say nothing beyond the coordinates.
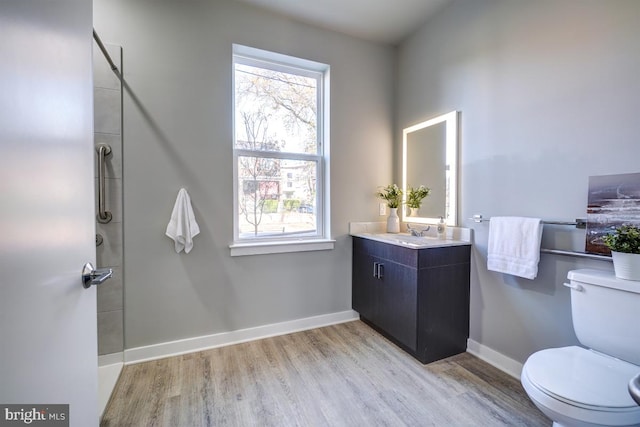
(110, 359)
(190, 345)
(492, 357)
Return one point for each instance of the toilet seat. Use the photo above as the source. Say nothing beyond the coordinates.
(582, 384)
(583, 377)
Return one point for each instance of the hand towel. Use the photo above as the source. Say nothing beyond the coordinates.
(514, 245)
(182, 227)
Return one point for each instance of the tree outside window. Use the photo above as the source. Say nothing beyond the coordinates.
(278, 150)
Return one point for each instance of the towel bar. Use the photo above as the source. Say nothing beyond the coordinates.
(578, 223)
(576, 254)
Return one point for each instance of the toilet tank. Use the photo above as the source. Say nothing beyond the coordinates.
(606, 313)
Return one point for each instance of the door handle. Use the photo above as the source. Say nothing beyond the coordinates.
(93, 276)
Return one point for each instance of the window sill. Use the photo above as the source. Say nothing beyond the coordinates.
(261, 248)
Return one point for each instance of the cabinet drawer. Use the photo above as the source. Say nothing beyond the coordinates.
(416, 258)
(387, 251)
(439, 257)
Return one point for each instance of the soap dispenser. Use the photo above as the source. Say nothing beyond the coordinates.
(442, 229)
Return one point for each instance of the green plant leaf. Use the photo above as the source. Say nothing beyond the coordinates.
(624, 239)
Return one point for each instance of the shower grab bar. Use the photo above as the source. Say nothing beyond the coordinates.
(578, 223)
(103, 216)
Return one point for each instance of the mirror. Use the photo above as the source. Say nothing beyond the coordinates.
(430, 158)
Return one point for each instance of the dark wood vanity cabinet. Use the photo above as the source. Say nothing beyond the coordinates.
(418, 298)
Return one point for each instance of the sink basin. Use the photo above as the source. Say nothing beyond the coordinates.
(634, 388)
(409, 241)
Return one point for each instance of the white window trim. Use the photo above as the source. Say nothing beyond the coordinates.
(271, 247)
(322, 241)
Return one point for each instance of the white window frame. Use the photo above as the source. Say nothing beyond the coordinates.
(280, 244)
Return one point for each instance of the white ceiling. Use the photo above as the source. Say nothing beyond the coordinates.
(386, 21)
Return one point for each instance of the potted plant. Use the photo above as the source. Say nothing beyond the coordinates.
(415, 197)
(624, 243)
(392, 194)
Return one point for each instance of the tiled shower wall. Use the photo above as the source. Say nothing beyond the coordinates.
(108, 130)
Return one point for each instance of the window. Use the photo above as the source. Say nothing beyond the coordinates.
(280, 152)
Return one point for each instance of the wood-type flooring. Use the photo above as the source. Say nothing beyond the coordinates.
(340, 375)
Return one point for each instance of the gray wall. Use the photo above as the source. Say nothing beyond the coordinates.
(549, 94)
(177, 133)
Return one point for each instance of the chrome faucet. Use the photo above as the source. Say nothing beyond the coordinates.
(415, 232)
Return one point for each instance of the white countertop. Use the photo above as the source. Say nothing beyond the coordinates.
(455, 236)
(413, 242)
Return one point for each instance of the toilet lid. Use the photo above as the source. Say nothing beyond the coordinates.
(582, 377)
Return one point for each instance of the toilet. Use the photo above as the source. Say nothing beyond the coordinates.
(576, 386)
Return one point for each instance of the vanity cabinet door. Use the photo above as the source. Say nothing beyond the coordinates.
(365, 286)
(398, 303)
(443, 305)
(384, 292)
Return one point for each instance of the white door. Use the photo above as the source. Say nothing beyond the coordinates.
(48, 349)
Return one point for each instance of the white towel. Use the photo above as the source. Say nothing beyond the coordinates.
(183, 227)
(514, 245)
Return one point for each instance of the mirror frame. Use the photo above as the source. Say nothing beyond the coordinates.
(451, 141)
